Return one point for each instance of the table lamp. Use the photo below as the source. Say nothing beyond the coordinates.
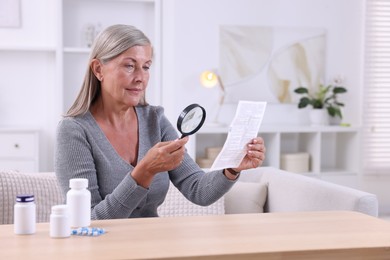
(210, 79)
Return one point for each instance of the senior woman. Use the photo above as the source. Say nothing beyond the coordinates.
(126, 148)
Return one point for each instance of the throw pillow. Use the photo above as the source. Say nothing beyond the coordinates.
(246, 197)
(175, 204)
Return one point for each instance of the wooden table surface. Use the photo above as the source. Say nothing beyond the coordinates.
(303, 235)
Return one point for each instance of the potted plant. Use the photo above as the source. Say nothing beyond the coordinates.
(324, 98)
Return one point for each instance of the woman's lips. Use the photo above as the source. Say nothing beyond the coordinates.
(134, 90)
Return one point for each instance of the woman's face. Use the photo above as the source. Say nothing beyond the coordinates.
(124, 79)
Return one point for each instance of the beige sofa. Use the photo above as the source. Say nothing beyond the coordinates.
(264, 189)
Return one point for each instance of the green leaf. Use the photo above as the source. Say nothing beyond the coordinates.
(331, 111)
(339, 104)
(339, 90)
(316, 103)
(334, 111)
(301, 90)
(338, 113)
(325, 90)
(303, 102)
(328, 99)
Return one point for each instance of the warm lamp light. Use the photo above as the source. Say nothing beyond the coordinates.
(208, 79)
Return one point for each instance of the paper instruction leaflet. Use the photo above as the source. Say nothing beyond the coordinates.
(244, 127)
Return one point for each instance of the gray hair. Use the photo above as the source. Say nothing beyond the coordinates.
(108, 45)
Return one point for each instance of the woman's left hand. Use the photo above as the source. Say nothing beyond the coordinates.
(255, 155)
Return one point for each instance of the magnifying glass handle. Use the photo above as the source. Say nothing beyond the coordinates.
(182, 136)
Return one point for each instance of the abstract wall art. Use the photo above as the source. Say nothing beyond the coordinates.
(268, 63)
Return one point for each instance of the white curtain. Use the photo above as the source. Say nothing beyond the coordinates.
(376, 110)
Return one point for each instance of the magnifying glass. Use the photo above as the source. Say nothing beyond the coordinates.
(191, 119)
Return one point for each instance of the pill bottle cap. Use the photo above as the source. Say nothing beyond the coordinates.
(25, 198)
(59, 209)
(78, 183)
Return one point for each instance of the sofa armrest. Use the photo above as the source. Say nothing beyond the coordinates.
(294, 192)
(44, 186)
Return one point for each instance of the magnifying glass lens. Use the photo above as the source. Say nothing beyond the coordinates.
(191, 119)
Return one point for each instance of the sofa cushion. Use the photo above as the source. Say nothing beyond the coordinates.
(44, 186)
(246, 197)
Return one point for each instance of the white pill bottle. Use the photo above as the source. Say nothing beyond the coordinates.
(59, 221)
(24, 215)
(78, 200)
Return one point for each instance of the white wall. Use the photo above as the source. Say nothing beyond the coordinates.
(191, 31)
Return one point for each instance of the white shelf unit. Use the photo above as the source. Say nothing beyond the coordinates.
(19, 149)
(29, 78)
(333, 150)
(74, 51)
(44, 60)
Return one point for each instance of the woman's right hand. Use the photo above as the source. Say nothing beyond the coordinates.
(163, 156)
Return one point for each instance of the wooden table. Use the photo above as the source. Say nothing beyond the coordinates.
(304, 235)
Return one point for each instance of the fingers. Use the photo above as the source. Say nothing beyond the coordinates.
(257, 140)
(172, 146)
(177, 156)
(256, 152)
(257, 144)
(260, 156)
(165, 156)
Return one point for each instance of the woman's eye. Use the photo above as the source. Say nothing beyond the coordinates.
(129, 66)
(146, 67)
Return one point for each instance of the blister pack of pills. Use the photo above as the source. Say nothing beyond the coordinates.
(88, 231)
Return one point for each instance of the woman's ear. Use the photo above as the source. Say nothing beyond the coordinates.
(96, 68)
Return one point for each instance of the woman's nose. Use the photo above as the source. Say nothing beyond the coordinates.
(140, 74)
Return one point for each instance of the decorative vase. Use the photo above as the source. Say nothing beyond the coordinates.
(319, 117)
